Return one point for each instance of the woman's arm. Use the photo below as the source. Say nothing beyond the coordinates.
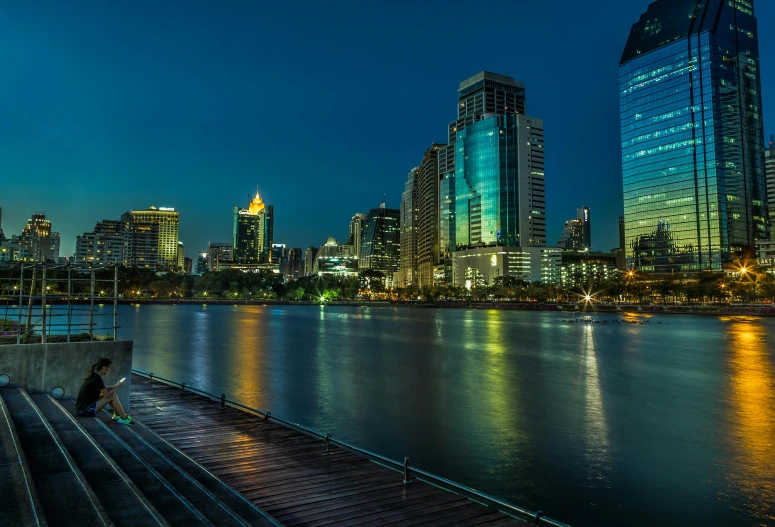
(108, 391)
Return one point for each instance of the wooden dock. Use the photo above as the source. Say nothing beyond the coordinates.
(293, 477)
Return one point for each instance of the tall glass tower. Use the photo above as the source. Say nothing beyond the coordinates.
(692, 137)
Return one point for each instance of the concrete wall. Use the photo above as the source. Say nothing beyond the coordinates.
(39, 368)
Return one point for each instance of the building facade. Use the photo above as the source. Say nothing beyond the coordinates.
(141, 243)
(483, 266)
(427, 219)
(310, 257)
(407, 269)
(181, 265)
(219, 253)
(253, 232)
(381, 245)
(293, 265)
(572, 236)
(769, 160)
(137, 227)
(584, 268)
(104, 246)
(35, 240)
(352, 247)
(692, 138)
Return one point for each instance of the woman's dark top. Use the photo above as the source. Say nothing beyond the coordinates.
(89, 392)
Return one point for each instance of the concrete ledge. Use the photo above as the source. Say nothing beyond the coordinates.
(39, 368)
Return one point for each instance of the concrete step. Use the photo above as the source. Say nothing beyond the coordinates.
(208, 504)
(65, 496)
(124, 503)
(176, 510)
(19, 503)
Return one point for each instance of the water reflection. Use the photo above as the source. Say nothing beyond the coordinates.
(595, 421)
(752, 417)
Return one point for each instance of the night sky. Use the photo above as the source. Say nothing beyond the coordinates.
(114, 104)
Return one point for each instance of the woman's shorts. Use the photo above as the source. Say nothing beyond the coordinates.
(91, 411)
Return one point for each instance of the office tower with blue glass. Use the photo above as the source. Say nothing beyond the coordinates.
(692, 137)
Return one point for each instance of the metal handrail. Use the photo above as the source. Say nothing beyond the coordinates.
(536, 517)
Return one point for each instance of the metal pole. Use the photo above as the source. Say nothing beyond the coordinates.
(91, 309)
(29, 303)
(115, 305)
(407, 479)
(43, 308)
(69, 300)
(21, 301)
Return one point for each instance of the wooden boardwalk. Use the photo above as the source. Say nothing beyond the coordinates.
(290, 475)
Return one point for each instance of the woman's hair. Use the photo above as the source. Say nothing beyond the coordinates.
(97, 366)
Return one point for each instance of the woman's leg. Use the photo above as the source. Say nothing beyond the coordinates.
(114, 402)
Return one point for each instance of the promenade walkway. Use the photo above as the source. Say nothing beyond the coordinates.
(295, 478)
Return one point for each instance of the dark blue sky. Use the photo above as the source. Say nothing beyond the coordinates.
(114, 104)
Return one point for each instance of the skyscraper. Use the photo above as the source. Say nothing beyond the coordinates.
(253, 232)
(352, 247)
(218, 253)
(2, 236)
(381, 241)
(181, 257)
(310, 257)
(140, 243)
(769, 156)
(35, 240)
(407, 221)
(166, 220)
(102, 247)
(293, 266)
(692, 138)
(427, 219)
(56, 243)
(572, 236)
(584, 215)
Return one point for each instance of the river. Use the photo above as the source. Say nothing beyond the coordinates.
(670, 422)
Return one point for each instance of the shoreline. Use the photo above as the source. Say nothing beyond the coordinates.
(646, 309)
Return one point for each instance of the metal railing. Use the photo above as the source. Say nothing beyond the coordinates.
(409, 472)
(39, 300)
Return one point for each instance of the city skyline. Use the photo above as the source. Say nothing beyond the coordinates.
(84, 124)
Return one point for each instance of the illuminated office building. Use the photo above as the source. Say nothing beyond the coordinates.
(381, 241)
(692, 138)
(253, 233)
(408, 215)
(35, 239)
(769, 159)
(103, 246)
(138, 230)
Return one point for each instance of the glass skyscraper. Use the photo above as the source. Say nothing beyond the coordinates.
(381, 241)
(692, 138)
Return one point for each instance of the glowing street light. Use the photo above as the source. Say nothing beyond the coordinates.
(588, 298)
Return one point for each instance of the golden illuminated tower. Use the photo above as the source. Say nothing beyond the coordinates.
(253, 232)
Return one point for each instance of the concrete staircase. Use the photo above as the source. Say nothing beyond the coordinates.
(60, 469)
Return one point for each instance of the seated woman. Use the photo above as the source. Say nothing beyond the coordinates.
(94, 395)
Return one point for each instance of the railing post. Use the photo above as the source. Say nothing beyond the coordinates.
(43, 308)
(115, 304)
(91, 309)
(21, 302)
(29, 303)
(537, 517)
(223, 400)
(69, 301)
(407, 479)
(182, 389)
(328, 442)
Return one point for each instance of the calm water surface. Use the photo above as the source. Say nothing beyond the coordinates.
(667, 423)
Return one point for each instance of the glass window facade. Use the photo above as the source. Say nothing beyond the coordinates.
(381, 241)
(692, 137)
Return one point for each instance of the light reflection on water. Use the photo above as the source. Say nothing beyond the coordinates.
(667, 423)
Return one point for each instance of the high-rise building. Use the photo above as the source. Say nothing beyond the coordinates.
(218, 253)
(622, 238)
(278, 253)
(104, 246)
(584, 215)
(492, 172)
(293, 265)
(310, 256)
(769, 159)
(408, 215)
(352, 247)
(181, 257)
(577, 234)
(427, 220)
(572, 236)
(381, 241)
(188, 265)
(35, 239)
(253, 232)
(166, 220)
(141, 243)
(56, 243)
(2, 236)
(692, 138)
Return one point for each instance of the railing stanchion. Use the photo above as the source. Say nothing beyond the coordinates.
(91, 308)
(43, 308)
(21, 301)
(407, 479)
(328, 443)
(223, 400)
(115, 304)
(69, 301)
(182, 389)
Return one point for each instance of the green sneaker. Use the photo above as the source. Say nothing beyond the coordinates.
(117, 417)
(127, 421)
